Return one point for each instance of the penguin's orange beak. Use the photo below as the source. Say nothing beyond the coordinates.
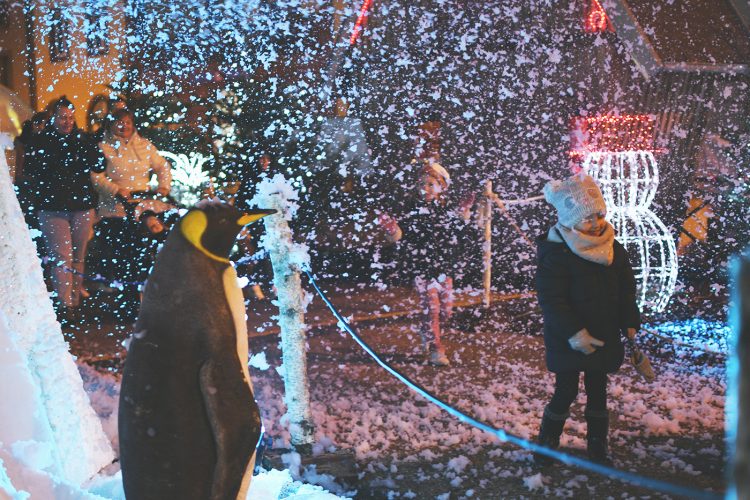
(253, 215)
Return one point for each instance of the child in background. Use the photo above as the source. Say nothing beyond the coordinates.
(429, 234)
(151, 223)
(587, 292)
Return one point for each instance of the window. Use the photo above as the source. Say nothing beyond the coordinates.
(97, 30)
(59, 36)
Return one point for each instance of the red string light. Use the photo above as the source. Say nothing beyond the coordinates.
(360, 21)
(611, 133)
(596, 19)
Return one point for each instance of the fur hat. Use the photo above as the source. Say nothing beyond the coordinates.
(575, 198)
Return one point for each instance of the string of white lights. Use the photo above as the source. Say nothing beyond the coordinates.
(629, 181)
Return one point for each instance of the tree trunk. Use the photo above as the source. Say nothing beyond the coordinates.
(287, 258)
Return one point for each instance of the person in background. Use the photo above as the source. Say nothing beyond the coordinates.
(429, 228)
(587, 292)
(30, 129)
(58, 164)
(115, 105)
(130, 161)
(29, 132)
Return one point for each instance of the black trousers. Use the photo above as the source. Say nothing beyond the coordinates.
(566, 390)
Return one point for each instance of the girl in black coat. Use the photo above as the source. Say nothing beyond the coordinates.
(57, 166)
(587, 292)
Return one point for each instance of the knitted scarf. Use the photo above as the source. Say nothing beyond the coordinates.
(599, 249)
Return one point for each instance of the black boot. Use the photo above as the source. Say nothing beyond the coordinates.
(549, 434)
(597, 428)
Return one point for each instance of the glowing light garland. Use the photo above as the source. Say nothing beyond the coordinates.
(596, 19)
(611, 133)
(188, 176)
(629, 179)
(360, 21)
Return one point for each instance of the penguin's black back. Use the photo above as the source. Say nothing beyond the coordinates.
(167, 443)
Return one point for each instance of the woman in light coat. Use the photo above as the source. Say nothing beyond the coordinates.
(130, 162)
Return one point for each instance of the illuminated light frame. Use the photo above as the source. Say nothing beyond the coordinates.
(596, 19)
(617, 151)
(629, 180)
(360, 22)
(188, 176)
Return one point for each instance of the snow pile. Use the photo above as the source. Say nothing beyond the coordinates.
(259, 361)
(534, 482)
(697, 333)
(280, 484)
(50, 435)
(268, 485)
(363, 409)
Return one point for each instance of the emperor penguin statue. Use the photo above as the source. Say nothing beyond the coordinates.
(188, 421)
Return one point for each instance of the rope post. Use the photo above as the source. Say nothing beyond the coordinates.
(487, 247)
(738, 400)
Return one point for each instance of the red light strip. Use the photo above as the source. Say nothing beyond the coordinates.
(596, 20)
(612, 133)
(360, 21)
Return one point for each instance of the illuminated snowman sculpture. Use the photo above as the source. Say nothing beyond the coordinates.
(616, 151)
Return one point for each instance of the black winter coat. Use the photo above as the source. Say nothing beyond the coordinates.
(575, 293)
(430, 242)
(57, 169)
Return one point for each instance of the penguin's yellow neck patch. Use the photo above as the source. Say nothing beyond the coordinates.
(193, 226)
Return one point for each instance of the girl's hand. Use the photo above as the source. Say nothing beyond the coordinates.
(390, 227)
(388, 223)
(584, 342)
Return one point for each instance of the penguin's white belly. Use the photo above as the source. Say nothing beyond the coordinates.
(236, 303)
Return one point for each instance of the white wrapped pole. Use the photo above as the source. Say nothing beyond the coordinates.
(487, 247)
(288, 258)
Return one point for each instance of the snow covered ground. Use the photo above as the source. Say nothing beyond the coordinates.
(671, 429)
(103, 389)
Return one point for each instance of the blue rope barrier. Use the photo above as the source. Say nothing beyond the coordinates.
(636, 479)
(114, 283)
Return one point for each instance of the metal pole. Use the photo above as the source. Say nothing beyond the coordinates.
(487, 247)
(738, 400)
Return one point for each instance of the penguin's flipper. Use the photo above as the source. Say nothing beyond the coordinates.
(235, 422)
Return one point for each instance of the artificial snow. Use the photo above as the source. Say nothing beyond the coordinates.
(259, 361)
(288, 259)
(534, 482)
(267, 485)
(385, 425)
(48, 426)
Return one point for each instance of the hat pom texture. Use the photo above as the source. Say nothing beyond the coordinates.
(575, 198)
